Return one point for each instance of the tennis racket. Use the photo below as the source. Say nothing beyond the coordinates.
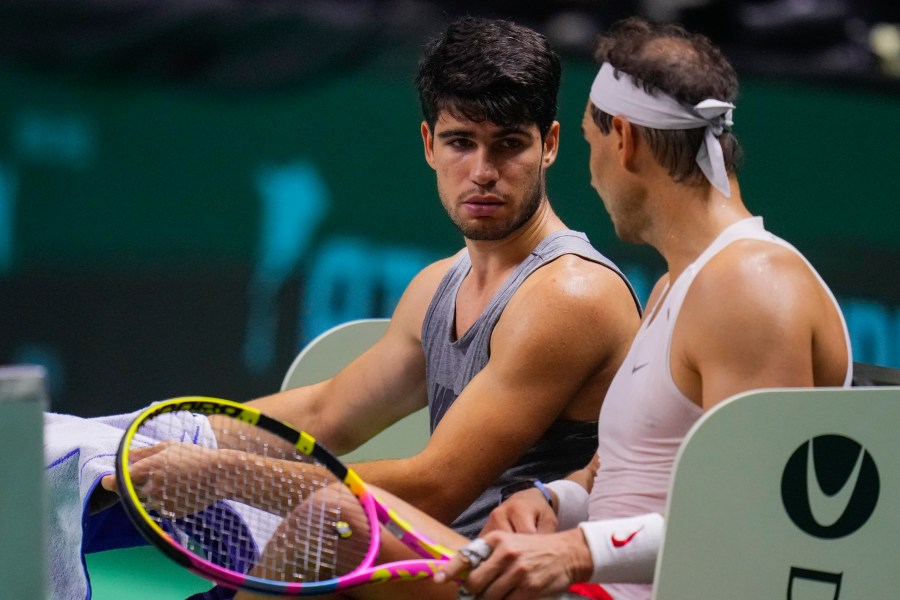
(251, 503)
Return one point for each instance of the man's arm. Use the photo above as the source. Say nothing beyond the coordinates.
(751, 320)
(384, 384)
(566, 330)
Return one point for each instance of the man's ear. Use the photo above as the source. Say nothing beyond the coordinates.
(428, 143)
(628, 141)
(551, 144)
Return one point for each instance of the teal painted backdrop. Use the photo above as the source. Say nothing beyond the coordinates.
(159, 241)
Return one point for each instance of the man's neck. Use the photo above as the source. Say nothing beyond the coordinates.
(492, 260)
(688, 223)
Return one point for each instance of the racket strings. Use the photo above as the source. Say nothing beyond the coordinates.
(247, 500)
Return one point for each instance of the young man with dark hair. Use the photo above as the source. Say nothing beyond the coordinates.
(513, 341)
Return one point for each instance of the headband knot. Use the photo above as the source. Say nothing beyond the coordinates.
(623, 96)
(717, 114)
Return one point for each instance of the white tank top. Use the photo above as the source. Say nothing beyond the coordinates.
(645, 416)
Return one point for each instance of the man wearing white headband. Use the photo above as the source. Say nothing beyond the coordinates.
(739, 309)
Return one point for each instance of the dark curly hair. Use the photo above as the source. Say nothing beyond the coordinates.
(684, 65)
(490, 69)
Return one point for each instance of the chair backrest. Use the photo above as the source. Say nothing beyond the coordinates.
(330, 352)
(868, 375)
(787, 494)
(23, 508)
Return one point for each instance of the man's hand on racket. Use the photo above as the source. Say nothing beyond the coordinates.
(524, 566)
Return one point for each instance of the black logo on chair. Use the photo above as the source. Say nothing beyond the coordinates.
(822, 581)
(830, 486)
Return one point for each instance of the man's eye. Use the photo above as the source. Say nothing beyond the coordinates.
(460, 143)
(511, 143)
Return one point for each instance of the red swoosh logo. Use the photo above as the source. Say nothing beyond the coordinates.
(618, 543)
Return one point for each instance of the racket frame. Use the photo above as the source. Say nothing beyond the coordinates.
(434, 555)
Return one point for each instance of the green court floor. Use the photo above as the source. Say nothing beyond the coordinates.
(140, 574)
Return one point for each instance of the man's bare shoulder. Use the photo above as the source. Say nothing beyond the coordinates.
(571, 299)
(756, 316)
(564, 333)
(756, 291)
(755, 272)
(571, 280)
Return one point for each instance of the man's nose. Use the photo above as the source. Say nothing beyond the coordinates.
(484, 169)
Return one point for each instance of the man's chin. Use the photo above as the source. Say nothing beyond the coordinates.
(483, 233)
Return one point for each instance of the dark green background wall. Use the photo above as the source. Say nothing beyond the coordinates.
(159, 241)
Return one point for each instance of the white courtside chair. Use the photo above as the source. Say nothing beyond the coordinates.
(331, 351)
(787, 494)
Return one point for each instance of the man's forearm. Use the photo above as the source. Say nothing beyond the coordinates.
(410, 480)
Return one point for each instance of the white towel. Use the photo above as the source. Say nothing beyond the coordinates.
(78, 452)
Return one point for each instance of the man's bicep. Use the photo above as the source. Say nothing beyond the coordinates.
(726, 374)
(749, 340)
(568, 337)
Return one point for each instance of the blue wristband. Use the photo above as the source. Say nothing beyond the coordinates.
(526, 484)
(543, 489)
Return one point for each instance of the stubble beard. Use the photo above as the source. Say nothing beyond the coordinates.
(489, 230)
(629, 224)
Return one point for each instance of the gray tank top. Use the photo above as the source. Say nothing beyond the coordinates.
(450, 364)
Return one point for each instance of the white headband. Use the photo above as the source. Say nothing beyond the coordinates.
(624, 97)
